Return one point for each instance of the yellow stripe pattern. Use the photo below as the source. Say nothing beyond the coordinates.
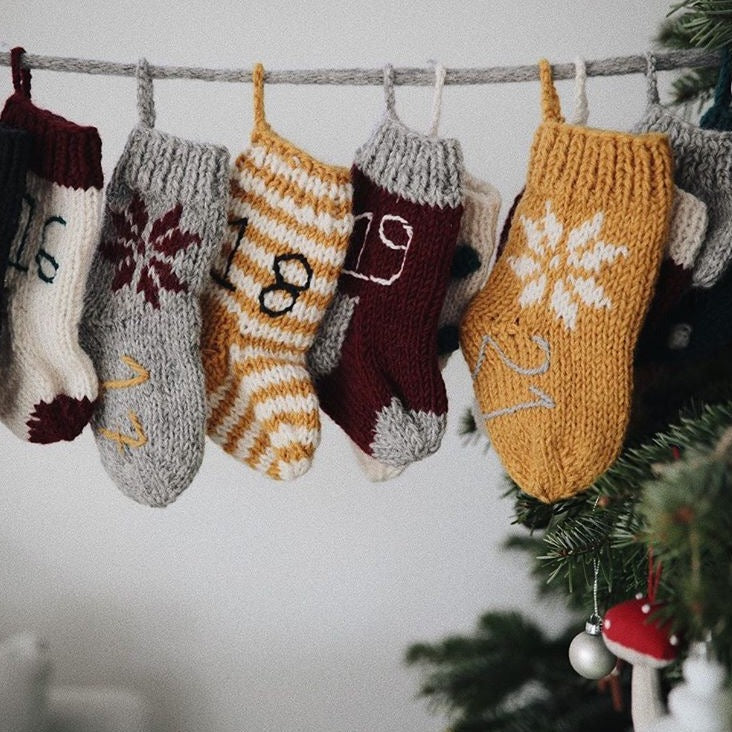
(275, 276)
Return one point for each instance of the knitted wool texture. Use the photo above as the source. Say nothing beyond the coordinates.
(375, 358)
(579, 117)
(164, 219)
(550, 338)
(686, 235)
(14, 158)
(472, 262)
(702, 160)
(48, 387)
(289, 223)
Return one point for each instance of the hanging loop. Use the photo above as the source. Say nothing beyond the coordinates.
(145, 99)
(21, 76)
(258, 84)
(581, 110)
(550, 107)
(440, 73)
(651, 81)
(389, 88)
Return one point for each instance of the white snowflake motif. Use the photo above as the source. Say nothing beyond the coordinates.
(585, 253)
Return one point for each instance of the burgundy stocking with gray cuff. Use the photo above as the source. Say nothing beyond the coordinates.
(375, 357)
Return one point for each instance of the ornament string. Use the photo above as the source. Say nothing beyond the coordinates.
(596, 617)
(614, 66)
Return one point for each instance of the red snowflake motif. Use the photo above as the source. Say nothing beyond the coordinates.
(132, 244)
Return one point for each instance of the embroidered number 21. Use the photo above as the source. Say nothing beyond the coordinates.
(541, 398)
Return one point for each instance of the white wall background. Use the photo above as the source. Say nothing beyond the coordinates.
(249, 605)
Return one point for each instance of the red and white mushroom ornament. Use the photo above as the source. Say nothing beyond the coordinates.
(633, 634)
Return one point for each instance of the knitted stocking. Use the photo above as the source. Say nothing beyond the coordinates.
(686, 235)
(164, 218)
(289, 223)
(48, 386)
(375, 358)
(702, 160)
(14, 158)
(550, 340)
(472, 262)
(682, 354)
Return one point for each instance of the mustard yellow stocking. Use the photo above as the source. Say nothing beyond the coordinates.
(550, 338)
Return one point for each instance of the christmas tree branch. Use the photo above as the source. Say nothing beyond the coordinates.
(669, 495)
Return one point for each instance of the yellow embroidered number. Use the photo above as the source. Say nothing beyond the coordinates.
(141, 375)
(137, 440)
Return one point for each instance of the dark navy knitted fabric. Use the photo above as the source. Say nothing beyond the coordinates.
(14, 157)
(719, 115)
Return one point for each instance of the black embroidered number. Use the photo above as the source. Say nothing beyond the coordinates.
(29, 205)
(280, 297)
(223, 279)
(47, 265)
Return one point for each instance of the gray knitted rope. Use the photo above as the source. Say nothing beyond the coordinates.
(616, 66)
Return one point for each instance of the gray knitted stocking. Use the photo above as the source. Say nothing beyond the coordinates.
(702, 160)
(164, 218)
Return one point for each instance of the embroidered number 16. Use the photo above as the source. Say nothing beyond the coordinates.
(46, 264)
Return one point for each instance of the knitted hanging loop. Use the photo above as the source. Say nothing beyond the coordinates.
(258, 82)
(145, 99)
(550, 107)
(581, 109)
(389, 89)
(440, 73)
(21, 76)
(651, 81)
(719, 115)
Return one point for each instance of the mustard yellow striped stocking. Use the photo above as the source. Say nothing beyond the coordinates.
(289, 224)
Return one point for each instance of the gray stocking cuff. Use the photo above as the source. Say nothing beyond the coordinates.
(419, 168)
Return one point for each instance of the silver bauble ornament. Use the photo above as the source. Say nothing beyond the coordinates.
(588, 654)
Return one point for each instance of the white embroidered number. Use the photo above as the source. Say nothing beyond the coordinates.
(542, 399)
(404, 231)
